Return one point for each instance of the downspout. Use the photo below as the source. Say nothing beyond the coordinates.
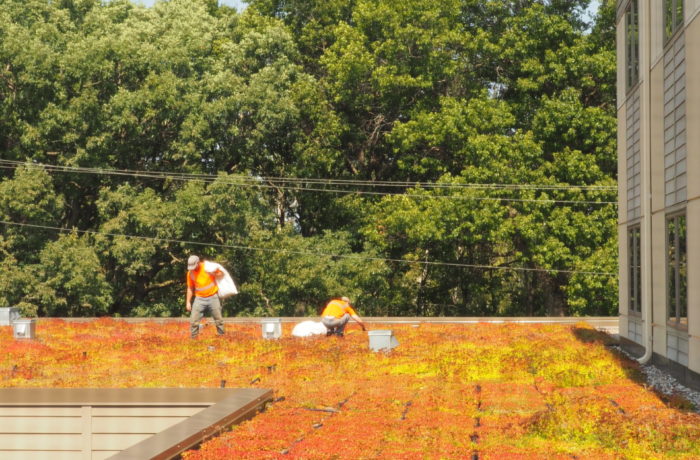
(647, 314)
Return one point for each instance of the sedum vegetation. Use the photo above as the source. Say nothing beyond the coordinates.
(315, 148)
(447, 391)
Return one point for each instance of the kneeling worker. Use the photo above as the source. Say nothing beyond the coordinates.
(202, 284)
(336, 315)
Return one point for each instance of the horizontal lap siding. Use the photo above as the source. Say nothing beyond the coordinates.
(117, 428)
(39, 425)
(634, 162)
(31, 411)
(41, 455)
(59, 430)
(117, 441)
(95, 423)
(48, 442)
(675, 148)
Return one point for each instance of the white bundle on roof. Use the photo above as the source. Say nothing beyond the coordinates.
(309, 328)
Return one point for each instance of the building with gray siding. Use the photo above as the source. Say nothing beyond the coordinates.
(658, 106)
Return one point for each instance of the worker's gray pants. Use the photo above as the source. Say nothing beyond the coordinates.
(335, 325)
(202, 305)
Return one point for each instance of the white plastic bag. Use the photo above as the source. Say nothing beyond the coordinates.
(309, 328)
(227, 287)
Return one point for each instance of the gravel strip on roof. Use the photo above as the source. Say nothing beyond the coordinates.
(664, 383)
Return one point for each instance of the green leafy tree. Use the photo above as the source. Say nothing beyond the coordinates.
(393, 60)
(15, 280)
(451, 94)
(145, 238)
(70, 279)
(311, 22)
(297, 280)
(28, 204)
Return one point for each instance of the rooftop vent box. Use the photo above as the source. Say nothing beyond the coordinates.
(272, 328)
(24, 328)
(382, 340)
(8, 315)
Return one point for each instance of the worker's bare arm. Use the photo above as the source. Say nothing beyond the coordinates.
(359, 321)
(188, 299)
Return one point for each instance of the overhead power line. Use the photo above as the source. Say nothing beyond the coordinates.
(212, 177)
(309, 253)
(303, 184)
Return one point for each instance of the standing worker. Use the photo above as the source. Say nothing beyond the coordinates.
(201, 281)
(336, 315)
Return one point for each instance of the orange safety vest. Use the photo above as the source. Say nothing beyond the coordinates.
(203, 283)
(337, 308)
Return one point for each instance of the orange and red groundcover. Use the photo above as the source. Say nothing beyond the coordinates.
(502, 391)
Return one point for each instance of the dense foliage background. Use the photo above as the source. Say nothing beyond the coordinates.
(424, 158)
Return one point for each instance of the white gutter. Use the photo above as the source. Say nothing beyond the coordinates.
(645, 14)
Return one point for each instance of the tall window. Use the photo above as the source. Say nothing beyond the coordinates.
(673, 17)
(634, 256)
(677, 271)
(632, 44)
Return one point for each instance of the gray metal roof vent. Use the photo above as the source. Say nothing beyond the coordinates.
(8, 315)
(24, 328)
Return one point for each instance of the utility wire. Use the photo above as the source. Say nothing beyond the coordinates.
(308, 253)
(258, 182)
(212, 177)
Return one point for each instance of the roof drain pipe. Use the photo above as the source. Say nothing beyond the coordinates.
(647, 313)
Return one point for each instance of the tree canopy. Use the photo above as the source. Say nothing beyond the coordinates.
(423, 158)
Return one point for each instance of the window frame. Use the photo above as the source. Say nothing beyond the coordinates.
(676, 271)
(673, 14)
(634, 266)
(632, 44)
